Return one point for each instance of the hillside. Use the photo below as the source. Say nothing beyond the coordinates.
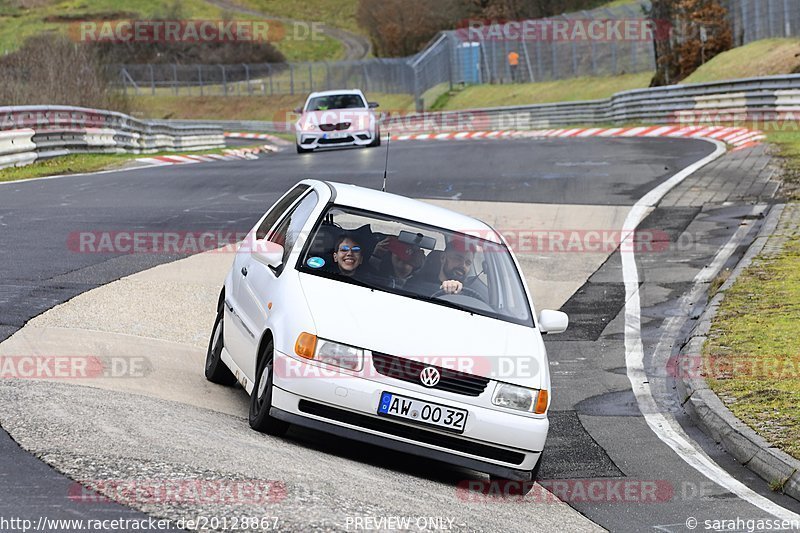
(20, 19)
(760, 58)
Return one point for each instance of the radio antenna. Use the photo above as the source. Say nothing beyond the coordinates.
(386, 165)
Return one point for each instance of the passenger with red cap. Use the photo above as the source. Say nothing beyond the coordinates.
(396, 261)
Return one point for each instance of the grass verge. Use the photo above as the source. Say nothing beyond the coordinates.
(82, 163)
(586, 88)
(271, 108)
(752, 358)
(18, 23)
(759, 58)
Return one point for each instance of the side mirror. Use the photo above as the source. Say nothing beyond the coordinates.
(373, 105)
(553, 321)
(268, 253)
(298, 110)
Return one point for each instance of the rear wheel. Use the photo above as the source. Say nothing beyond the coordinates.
(261, 397)
(216, 371)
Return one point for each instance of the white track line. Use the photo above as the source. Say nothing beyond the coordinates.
(634, 355)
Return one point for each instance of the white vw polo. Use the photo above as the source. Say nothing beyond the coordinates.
(389, 321)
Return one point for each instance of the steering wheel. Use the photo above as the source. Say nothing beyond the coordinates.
(473, 293)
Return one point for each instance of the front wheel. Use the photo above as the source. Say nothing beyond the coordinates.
(216, 371)
(377, 140)
(261, 398)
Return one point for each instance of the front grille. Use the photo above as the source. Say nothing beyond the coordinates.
(332, 127)
(409, 370)
(407, 432)
(347, 139)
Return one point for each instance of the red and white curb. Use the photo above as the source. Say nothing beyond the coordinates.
(739, 138)
(228, 155)
(261, 136)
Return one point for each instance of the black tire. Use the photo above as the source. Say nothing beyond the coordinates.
(377, 140)
(513, 487)
(216, 370)
(301, 150)
(261, 398)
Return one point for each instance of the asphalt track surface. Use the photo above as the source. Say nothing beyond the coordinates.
(597, 431)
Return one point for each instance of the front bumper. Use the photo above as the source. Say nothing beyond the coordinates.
(319, 139)
(496, 442)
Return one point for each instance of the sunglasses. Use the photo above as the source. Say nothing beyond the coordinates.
(355, 249)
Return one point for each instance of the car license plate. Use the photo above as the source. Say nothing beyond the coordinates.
(335, 135)
(422, 412)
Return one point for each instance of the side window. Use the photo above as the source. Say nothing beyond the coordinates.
(278, 210)
(288, 231)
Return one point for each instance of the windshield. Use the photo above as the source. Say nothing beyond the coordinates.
(417, 261)
(336, 101)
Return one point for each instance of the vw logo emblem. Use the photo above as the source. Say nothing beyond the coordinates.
(429, 376)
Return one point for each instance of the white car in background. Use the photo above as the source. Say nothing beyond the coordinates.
(336, 118)
(456, 372)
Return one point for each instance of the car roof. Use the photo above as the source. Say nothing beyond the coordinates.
(330, 93)
(414, 210)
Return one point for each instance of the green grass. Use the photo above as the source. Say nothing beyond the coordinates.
(617, 3)
(272, 108)
(16, 24)
(760, 58)
(787, 138)
(752, 353)
(70, 164)
(82, 163)
(587, 88)
(752, 358)
(337, 13)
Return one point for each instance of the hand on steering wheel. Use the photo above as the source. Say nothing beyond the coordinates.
(466, 291)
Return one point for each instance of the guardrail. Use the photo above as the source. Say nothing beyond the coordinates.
(759, 99)
(775, 97)
(28, 133)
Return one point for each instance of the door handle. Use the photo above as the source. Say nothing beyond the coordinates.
(244, 271)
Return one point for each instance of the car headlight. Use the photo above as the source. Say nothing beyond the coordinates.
(341, 355)
(329, 352)
(520, 398)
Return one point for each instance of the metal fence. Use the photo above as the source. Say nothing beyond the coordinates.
(453, 57)
(459, 56)
(753, 20)
(376, 75)
(751, 102)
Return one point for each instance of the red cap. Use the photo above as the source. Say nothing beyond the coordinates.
(407, 252)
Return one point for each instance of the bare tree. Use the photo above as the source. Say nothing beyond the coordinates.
(50, 69)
